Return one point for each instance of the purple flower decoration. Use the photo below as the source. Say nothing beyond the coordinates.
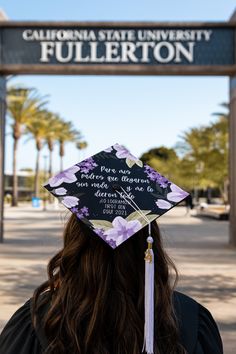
(177, 194)
(84, 211)
(156, 177)
(80, 213)
(163, 204)
(123, 153)
(67, 176)
(74, 210)
(108, 149)
(122, 230)
(112, 243)
(60, 191)
(70, 201)
(87, 165)
(100, 232)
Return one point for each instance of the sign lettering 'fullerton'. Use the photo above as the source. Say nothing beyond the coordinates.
(118, 47)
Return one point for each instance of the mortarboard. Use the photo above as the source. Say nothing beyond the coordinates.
(116, 195)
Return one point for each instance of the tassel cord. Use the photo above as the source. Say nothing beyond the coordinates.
(148, 343)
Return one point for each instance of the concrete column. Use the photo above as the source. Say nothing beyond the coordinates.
(3, 18)
(2, 149)
(232, 151)
(232, 162)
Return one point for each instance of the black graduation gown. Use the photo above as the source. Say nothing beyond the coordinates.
(199, 332)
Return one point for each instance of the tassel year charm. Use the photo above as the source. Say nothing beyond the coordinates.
(148, 345)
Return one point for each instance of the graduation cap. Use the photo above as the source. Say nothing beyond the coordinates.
(116, 195)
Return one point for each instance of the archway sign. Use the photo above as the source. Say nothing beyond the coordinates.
(123, 48)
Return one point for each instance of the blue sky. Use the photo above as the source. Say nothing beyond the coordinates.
(140, 112)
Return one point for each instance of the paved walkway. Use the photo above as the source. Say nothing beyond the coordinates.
(206, 264)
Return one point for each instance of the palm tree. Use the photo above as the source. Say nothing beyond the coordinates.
(21, 104)
(225, 115)
(37, 127)
(66, 134)
(53, 122)
(223, 122)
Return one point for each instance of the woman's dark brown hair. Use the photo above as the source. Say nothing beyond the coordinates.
(97, 295)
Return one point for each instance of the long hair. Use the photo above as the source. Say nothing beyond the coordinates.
(97, 295)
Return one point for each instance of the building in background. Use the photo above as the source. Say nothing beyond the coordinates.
(25, 185)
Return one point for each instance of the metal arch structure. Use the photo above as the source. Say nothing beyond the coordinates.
(117, 48)
(121, 48)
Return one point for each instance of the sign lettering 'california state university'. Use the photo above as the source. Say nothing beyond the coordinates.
(122, 47)
(117, 46)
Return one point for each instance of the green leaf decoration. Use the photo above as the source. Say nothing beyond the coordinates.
(150, 217)
(136, 215)
(130, 163)
(101, 224)
(139, 163)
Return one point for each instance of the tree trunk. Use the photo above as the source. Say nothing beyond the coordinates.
(50, 164)
(36, 178)
(62, 153)
(15, 181)
(50, 148)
